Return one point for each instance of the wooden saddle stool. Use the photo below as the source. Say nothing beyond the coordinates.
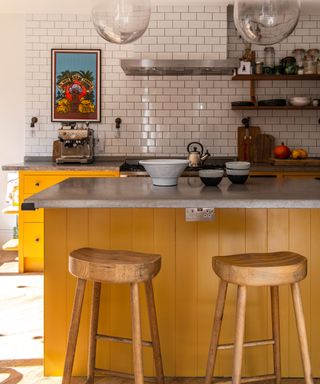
(116, 267)
(264, 269)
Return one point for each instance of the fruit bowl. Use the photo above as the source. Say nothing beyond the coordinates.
(164, 172)
(300, 101)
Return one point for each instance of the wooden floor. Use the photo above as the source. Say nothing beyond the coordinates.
(21, 331)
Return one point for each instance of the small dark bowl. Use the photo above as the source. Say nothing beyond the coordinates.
(211, 181)
(238, 179)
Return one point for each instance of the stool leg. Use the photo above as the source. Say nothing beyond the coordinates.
(136, 333)
(93, 331)
(154, 331)
(239, 334)
(73, 331)
(276, 332)
(301, 327)
(216, 330)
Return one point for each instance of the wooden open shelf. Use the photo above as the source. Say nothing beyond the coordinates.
(11, 209)
(270, 107)
(253, 78)
(275, 77)
(11, 245)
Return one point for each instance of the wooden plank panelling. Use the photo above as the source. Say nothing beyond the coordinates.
(164, 285)
(186, 287)
(55, 291)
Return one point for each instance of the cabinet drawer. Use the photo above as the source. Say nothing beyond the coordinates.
(33, 239)
(33, 183)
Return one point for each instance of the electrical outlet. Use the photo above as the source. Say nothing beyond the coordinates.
(200, 214)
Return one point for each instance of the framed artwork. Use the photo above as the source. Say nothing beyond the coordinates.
(75, 85)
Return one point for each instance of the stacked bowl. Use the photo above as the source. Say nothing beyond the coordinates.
(238, 171)
(211, 177)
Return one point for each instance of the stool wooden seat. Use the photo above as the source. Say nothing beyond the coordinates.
(259, 269)
(119, 267)
(113, 266)
(264, 269)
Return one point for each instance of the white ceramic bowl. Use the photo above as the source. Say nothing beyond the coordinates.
(237, 165)
(164, 172)
(300, 101)
(238, 172)
(211, 172)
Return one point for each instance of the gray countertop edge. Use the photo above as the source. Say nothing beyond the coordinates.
(227, 204)
(189, 193)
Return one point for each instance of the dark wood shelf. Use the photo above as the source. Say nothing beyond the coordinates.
(269, 107)
(275, 77)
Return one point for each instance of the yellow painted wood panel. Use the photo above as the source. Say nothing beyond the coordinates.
(55, 291)
(258, 308)
(232, 240)
(78, 236)
(99, 228)
(120, 238)
(33, 240)
(186, 287)
(36, 216)
(314, 276)
(186, 296)
(278, 240)
(299, 241)
(164, 285)
(207, 289)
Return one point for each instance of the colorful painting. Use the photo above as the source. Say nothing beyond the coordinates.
(75, 84)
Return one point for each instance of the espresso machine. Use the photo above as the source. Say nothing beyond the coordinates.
(76, 145)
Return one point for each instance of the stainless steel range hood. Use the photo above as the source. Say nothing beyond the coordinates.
(146, 67)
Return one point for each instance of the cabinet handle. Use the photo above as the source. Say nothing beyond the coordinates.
(37, 184)
(37, 239)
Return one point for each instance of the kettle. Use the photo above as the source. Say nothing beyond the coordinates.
(196, 158)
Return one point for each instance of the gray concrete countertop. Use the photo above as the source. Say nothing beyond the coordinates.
(109, 164)
(190, 193)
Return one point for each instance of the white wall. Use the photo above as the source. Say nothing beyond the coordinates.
(161, 115)
(84, 6)
(12, 105)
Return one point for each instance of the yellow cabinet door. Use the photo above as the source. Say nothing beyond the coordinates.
(33, 242)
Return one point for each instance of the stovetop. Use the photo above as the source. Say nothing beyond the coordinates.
(132, 165)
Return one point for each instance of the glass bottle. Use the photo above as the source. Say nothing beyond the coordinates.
(309, 65)
(269, 57)
(299, 56)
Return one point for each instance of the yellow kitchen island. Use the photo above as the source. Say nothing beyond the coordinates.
(262, 215)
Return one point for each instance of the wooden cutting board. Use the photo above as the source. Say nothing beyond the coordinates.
(263, 147)
(246, 142)
(310, 162)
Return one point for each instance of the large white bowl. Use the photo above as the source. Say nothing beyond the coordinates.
(165, 172)
(300, 101)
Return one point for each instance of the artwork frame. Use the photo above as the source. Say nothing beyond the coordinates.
(75, 85)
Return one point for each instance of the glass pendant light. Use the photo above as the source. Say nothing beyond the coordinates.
(266, 22)
(121, 21)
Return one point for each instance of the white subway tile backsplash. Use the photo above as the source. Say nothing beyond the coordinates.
(161, 115)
